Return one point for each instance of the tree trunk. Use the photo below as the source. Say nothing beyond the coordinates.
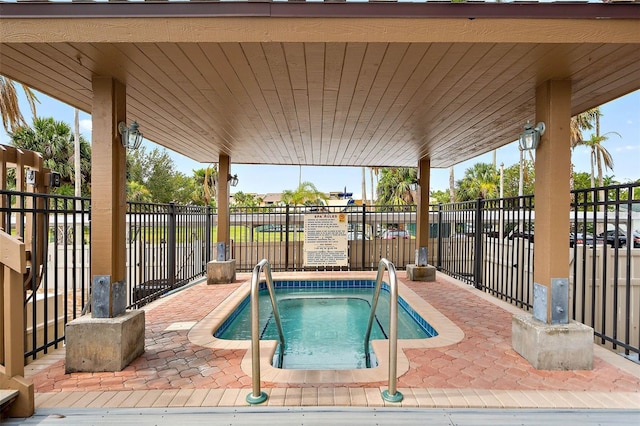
(452, 187)
(364, 185)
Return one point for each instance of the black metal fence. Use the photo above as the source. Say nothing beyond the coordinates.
(167, 246)
(57, 285)
(486, 243)
(277, 234)
(492, 243)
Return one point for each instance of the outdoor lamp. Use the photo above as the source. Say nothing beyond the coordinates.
(233, 180)
(413, 186)
(530, 138)
(131, 137)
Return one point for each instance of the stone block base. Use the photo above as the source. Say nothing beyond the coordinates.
(104, 344)
(221, 272)
(552, 346)
(421, 273)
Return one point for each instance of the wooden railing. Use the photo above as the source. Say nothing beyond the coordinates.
(13, 266)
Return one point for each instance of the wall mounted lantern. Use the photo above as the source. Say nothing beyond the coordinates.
(131, 137)
(233, 180)
(530, 138)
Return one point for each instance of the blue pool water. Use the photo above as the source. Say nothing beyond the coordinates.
(324, 322)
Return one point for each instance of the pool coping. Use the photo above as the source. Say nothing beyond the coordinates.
(448, 333)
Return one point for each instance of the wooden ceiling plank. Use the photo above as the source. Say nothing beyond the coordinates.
(241, 82)
(444, 62)
(255, 57)
(351, 95)
(333, 72)
(164, 94)
(219, 95)
(20, 61)
(225, 125)
(506, 88)
(315, 66)
(277, 62)
(401, 59)
(576, 53)
(385, 61)
(297, 66)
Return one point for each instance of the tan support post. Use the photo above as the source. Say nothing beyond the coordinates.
(224, 169)
(552, 189)
(108, 202)
(422, 231)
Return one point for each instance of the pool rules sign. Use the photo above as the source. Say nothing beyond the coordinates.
(325, 239)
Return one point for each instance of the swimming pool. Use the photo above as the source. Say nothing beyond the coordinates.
(324, 323)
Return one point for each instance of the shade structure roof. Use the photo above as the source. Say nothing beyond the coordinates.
(347, 84)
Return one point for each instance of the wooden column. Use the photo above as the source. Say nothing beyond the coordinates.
(224, 169)
(108, 169)
(552, 196)
(422, 231)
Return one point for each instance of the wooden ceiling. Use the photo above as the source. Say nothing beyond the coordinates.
(318, 90)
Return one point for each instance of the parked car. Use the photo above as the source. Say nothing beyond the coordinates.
(612, 239)
(393, 234)
(583, 239)
(356, 235)
(636, 238)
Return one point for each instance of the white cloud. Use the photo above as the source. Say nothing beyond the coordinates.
(627, 148)
(86, 125)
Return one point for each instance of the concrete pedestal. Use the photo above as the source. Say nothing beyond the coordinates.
(552, 346)
(104, 344)
(221, 272)
(421, 273)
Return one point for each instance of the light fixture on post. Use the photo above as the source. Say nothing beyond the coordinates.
(232, 179)
(131, 137)
(530, 138)
(414, 185)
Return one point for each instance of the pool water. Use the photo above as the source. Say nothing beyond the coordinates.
(324, 327)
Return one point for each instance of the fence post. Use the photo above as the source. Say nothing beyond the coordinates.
(439, 258)
(355, 234)
(286, 239)
(477, 270)
(171, 245)
(207, 237)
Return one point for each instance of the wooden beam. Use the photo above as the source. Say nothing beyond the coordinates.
(224, 169)
(552, 188)
(108, 202)
(424, 174)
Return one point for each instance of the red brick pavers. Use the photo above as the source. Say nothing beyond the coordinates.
(482, 360)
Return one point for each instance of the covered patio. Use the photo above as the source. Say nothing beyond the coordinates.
(349, 84)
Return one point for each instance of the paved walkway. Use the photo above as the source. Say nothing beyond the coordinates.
(480, 371)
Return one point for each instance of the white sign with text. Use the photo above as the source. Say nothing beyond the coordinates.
(325, 239)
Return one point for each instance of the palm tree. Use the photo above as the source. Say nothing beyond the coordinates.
(599, 154)
(54, 140)
(137, 192)
(305, 194)
(205, 180)
(395, 183)
(12, 117)
(480, 181)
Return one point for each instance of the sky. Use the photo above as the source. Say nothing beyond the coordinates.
(621, 116)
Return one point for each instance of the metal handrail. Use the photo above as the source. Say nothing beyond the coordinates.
(392, 394)
(256, 396)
